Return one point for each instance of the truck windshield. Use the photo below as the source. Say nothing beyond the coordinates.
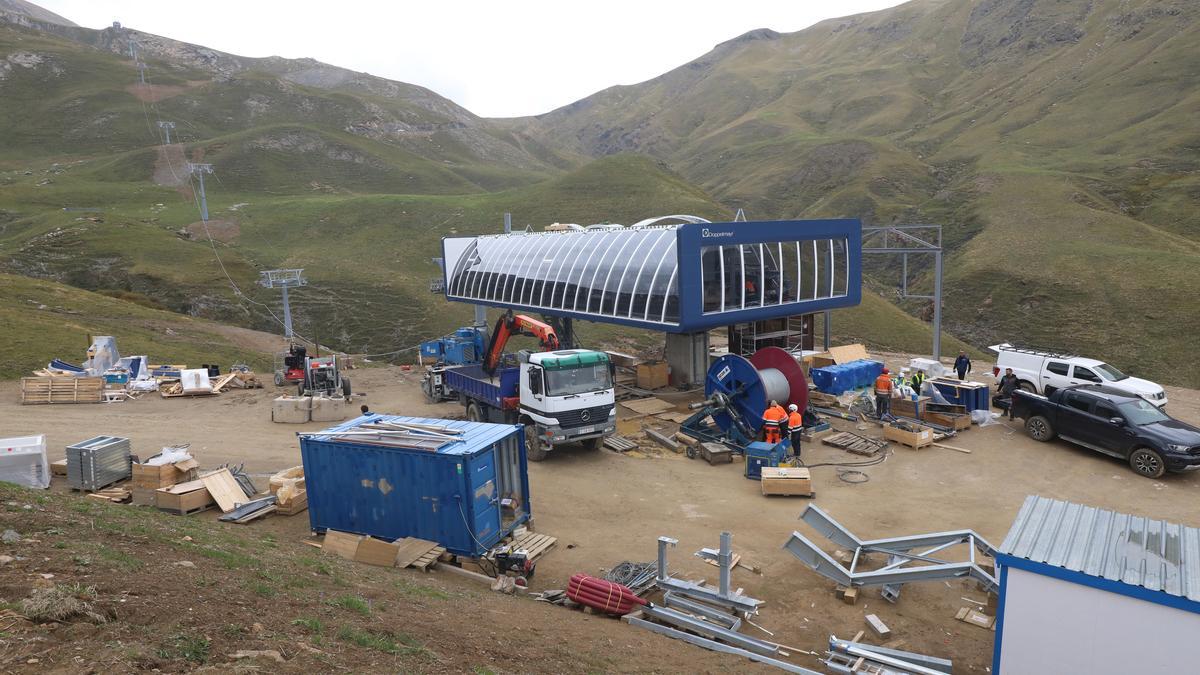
(1141, 413)
(1109, 373)
(578, 380)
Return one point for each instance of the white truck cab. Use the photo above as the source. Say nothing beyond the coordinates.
(567, 397)
(1041, 372)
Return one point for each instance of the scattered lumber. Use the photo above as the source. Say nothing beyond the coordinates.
(852, 442)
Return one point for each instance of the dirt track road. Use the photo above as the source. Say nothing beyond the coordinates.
(606, 507)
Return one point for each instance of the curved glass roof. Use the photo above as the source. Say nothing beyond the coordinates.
(627, 274)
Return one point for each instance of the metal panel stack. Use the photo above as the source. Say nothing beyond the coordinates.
(98, 462)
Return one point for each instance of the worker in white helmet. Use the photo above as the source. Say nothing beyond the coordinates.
(795, 427)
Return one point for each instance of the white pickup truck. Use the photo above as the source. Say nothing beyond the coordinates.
(1042, 372)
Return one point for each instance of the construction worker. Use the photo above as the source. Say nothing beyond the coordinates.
(795, 424)
(918, 379)
(883, 394)
(962, 365)
(773, 420)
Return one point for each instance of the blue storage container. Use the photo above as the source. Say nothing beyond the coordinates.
(466, 494)
(971, 395)
(838, 379)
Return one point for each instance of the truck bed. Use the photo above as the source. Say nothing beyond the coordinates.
(475, 384)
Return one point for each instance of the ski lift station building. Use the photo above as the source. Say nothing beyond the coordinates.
(681, 278)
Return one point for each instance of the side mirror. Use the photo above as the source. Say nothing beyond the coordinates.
(535, 381)
(1116, 421)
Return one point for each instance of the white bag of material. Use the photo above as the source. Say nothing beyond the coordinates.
(195, 380)
(931, 367)
(23, 461)
(985, 417)
(169, 455)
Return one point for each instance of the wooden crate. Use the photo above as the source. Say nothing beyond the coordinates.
(653, 375)
(913, 439)
(956, 421)
(298, 503)
(786, 481)
(180, 500)
(906, 407)
(44, 390)
(154, 477)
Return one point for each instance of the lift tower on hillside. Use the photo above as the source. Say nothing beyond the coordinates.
(283, 280)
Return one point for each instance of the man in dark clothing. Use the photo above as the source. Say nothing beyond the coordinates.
(963, 365)
(1008, 384)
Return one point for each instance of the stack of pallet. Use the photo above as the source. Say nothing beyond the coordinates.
(851, 442)
(406, 552)
(43, 390)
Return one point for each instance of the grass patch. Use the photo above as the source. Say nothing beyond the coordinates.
(121, 559)
(228, 559)
(194, 648)
(414, 590)
(383, 642)
(313, 626)
(61, 604)
(263, 590)
(353, 603)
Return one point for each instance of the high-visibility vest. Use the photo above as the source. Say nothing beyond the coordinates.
(883, 385)
(795, 421)
(774, 415)
(917, 379)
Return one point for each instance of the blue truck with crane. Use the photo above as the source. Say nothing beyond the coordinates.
(561, 396)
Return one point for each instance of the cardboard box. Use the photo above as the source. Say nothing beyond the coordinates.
(183, 502)
(786, 481)
(913, 439)
(653, 375)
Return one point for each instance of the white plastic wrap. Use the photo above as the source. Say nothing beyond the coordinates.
(195, 380)
(985, 417)
(23, 461)
(169, 455)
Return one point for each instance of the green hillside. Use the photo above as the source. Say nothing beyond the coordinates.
(1055, 140)
(44, 320)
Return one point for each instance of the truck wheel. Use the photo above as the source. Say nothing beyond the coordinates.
(346, 387)
(473, 413)
(1039, 429)
(279, 380)
(535, 448)
(1147, 462)
(1026, 386)
(593, 443)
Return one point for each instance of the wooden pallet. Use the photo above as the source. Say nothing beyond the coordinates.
(535, 545)
(187, 512)
(428, 558)
(852, 442)
(44, 390)
(619, 443)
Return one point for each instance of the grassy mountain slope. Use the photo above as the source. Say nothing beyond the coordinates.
(1055, 140)
(44, 320)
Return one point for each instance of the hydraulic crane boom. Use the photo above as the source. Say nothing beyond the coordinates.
(508, 326)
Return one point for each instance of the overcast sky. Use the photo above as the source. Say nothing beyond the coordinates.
(498, 59)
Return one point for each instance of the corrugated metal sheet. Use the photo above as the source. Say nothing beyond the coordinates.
(449, 495)
(98, 462)
(1153, 554)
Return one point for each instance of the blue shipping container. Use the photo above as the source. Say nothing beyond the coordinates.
(466, 494)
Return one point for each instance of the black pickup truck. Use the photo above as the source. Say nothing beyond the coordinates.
(1113, 422)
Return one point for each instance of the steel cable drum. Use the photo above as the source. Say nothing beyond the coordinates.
(751, 384)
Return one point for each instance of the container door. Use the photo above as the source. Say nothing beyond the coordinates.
(485, 507)
(511, 487)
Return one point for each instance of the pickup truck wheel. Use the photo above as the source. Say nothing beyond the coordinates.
(473, 413)
(535, 448)
(1026, 386)
(1039, 429)
(1147, 462)
(593, 443)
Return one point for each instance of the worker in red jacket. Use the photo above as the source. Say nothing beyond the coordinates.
(773, 420)
(883, 394)
(795, 427)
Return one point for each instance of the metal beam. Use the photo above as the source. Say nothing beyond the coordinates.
(709, 630)
(718, 647)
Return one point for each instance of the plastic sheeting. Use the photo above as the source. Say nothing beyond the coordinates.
(934, 394)
(195, 380)
(170, 455)
(985, 417)
(102, 355)
(23, 461)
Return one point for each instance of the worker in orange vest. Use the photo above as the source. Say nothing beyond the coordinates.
(773, 420)
(795, 427)
(883, 394)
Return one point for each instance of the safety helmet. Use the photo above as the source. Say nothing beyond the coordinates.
(793, 407)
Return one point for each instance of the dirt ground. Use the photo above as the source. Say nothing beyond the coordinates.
(605, 507)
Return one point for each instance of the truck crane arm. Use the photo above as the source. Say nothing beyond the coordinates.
(508, 326)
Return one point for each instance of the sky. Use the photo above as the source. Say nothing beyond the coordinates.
(497, 59)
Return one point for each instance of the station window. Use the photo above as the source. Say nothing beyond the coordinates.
(747, 276)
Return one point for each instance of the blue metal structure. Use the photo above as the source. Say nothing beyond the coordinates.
(466, 493)
(463, 346)
(675, 278)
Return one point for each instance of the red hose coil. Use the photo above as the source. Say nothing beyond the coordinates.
(607, 596)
